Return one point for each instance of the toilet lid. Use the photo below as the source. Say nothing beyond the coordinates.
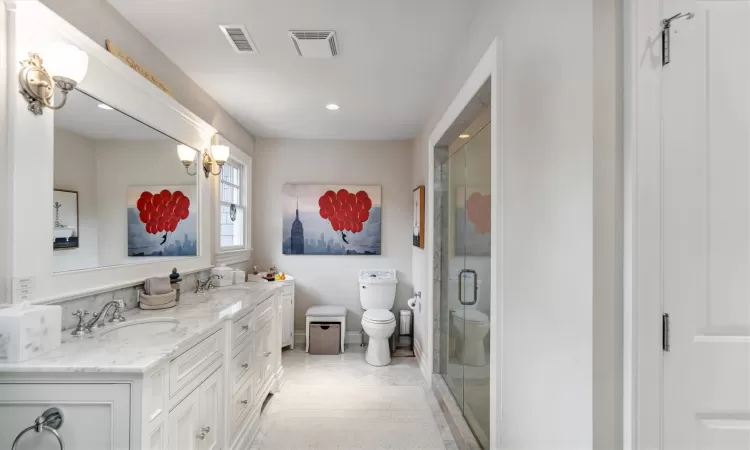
(378, 316)
(472, 316)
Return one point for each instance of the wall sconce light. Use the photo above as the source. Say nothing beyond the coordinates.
(64, 66)
(218, 154)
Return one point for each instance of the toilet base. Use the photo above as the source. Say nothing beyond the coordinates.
(378, 352)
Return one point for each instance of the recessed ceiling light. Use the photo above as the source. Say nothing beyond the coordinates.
(464, 136)
(332, 106)
(105, 107)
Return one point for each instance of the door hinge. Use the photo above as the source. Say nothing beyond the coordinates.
(665, 332)
(666, 24)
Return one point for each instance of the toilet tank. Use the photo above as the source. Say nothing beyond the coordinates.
(377, 289)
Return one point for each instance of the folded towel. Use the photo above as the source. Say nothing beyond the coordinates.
(157, 301)
(157, 285)
(171, 304)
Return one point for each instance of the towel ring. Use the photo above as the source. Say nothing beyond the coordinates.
(51, 420)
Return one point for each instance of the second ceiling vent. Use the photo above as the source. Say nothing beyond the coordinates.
(239, 38)
(315, 44)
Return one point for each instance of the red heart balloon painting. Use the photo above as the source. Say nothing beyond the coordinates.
(479, 208)
(162, 211)
(331, 219)
(344, 210)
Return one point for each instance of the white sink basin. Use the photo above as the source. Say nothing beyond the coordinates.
(140, 328)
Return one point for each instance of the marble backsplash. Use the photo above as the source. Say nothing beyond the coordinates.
(129, 295)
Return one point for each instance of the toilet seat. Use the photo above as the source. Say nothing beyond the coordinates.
(378, 316)
(471, 316)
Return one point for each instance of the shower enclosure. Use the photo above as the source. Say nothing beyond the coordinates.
(462, 274)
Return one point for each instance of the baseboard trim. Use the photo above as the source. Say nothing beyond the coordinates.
(351, 337)
(422, 363)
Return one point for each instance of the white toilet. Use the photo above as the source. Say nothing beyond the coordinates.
(377, 292)
(475, 325)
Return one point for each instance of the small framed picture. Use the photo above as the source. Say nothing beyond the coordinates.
(65, 214)
(418, 221)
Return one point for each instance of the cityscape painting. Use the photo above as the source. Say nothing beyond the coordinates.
(162, 221)
(331, 220)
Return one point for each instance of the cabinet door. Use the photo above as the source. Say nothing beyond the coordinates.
(287, 318)
(95, 416)
(211, 412)
(184, 424)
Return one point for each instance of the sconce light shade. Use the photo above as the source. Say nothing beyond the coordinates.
(186, 154)
(66, 61)
(64, 67)
(220, 153)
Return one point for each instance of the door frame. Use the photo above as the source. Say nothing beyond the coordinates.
(488, 67)
(642, 252)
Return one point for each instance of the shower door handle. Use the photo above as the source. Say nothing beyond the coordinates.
(461, 286)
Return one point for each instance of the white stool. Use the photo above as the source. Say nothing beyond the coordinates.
(331, 314)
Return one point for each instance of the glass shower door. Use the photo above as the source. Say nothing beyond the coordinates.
(476, 283)
(463, 201)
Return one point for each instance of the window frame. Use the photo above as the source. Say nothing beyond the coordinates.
(239, 253)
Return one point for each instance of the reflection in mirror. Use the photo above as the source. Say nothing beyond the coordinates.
(134, 200)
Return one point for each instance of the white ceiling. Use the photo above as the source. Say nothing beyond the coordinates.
(82, 115)
(393, 54)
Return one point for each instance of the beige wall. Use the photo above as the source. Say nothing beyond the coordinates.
(332, 280)
(100, 21)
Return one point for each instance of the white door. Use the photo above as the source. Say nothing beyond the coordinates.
(184, 424)
(95, 416)
(211, 412)
(706, 226)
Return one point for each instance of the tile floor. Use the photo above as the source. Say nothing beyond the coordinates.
(341, 402)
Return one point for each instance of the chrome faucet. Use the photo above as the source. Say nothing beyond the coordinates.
(204, 285)
(97, 322)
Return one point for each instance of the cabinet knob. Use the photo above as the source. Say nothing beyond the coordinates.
(245, 366)
(204, 430)
(266, 354)
(245, 327)
(244, 402)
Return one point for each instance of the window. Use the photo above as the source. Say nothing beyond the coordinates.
(232, 207)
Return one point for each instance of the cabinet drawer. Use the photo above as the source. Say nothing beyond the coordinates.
(242, 366)
(264, 355)
(288, 289)
(242, 328)
(264, 313)
(154, 393)
(188, 365)
(242, 403)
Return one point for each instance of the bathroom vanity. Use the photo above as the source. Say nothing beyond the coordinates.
(192, 377)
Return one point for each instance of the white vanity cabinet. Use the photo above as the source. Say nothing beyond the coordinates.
(207, 396)
(287, 312)
(97, 416)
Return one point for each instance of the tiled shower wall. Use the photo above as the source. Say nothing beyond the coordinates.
(129, 295)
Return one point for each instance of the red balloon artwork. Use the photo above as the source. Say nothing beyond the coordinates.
(162, 211)
(346, 211)
(478, 208)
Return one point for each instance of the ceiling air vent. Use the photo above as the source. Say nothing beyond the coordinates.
(315, 44)
(239, 38)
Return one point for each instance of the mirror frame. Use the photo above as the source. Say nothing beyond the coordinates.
(31, 147)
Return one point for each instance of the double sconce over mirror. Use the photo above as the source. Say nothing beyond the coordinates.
(64, 66)
(218, 154)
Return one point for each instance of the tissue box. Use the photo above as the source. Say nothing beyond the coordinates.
(29, 331)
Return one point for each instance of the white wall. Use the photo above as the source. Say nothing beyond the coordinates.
(548, 72)
(333, 279)
(121, 164)
(5, 185)
(100, 21)
(75, 170)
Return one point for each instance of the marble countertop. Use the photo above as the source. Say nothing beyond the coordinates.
(198, 314)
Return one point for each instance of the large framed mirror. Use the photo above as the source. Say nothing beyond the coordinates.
(134, 200)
